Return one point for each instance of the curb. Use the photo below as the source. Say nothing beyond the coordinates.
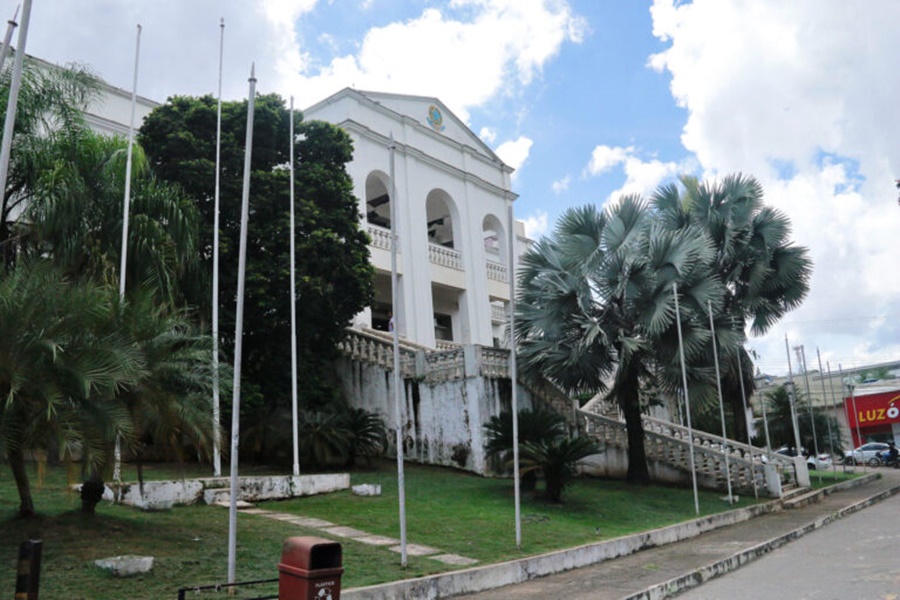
(482, 578)
(696, 577)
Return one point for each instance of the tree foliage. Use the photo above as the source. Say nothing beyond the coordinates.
(334, 279)
(809, 419)
(50, 111)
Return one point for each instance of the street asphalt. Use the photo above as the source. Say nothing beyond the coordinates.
(664, 571)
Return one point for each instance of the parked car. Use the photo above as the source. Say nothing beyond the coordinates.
(868, 453)
(822, 461)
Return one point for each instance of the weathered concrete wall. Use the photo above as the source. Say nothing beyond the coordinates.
(443, 420)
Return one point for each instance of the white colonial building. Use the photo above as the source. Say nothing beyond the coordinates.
(453, 206)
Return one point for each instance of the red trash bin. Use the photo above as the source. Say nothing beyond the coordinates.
(310, 569)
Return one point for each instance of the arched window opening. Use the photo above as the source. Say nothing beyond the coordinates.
(439, 222)
(378, 201)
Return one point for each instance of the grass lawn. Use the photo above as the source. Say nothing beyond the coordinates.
(456, 512)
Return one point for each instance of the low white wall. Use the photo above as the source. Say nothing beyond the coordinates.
(158, 495)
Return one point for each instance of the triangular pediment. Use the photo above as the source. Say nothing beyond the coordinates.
(432, 114)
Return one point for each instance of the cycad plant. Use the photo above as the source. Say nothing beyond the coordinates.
(557, 459)
(535, 425)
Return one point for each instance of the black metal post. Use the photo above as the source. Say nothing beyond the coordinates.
(28, 570)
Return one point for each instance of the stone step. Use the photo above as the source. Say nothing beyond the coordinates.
(805, 497)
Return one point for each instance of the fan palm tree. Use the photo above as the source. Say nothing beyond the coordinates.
(61, 364)
(764, 274)
(596, 310)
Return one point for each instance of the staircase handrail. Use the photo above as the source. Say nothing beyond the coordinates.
(710, 455)
(711, 439)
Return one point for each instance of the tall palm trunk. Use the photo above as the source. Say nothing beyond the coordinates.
(17, 464)
(629, 401)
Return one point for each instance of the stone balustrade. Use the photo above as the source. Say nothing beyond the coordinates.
(670, 444)
(665, 442)
(381, 237)
(499, 314)
(445, 257)
(374, 349)
(497, 271)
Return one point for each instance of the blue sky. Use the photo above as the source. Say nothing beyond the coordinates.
(590, 99)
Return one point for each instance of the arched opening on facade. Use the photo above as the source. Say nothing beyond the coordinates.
(378, 200)
(439, 220)
(496, 249)
(494, 237)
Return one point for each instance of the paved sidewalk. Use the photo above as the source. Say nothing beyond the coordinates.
(658, 572)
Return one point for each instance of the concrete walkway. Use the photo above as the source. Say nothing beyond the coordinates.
(663, 571)
(334, 530)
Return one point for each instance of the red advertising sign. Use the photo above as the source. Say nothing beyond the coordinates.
(874, 409)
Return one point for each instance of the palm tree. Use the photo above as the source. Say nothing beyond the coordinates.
(596, 310)
(167, 404)
(764, 275)
(781, 429)
(61, 362)
(75, 216)
(51, 108)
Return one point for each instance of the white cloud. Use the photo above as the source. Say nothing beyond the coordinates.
(561, 185)
(179, 42)
(802, 95)
(604, 158)
(515, 152)
(488, 135)
(476, 49)
(641, 177)
(501, 46)
(536, 225)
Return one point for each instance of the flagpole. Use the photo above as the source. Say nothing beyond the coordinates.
(843, 406)
(812, 420)
(293, 310)
(401, 485)
(13, 101)
(827, 421)
(747, 422)
(791, 399)
(217, 426)
(239, 332)
(513, 376)
(712, 330)
(11, 26)
(859, 439)
(687, 400)
(117, 464)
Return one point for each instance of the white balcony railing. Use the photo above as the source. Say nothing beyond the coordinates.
(381, 237)
(445, 257)
(499, 313)
(496, 271)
